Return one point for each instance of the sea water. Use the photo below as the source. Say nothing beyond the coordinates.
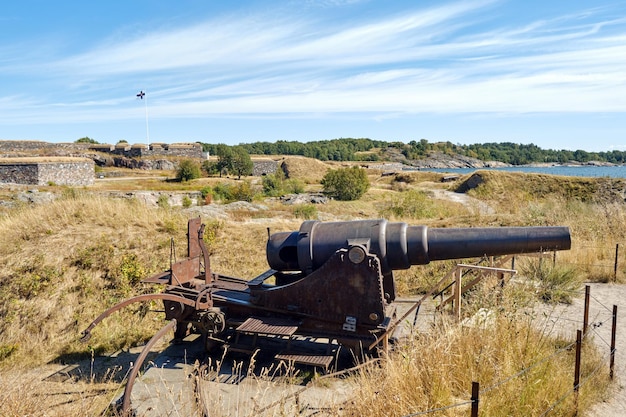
(618, 171)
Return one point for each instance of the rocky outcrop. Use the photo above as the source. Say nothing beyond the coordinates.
(442, 160)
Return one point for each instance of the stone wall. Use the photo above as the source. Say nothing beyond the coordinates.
(28, 147)
(60, 171)
(18, 173)
(264, 167)
(187, 150)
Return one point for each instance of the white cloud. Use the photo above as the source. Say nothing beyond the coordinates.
(435, 60)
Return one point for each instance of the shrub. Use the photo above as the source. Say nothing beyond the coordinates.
(242, 192)
(556, 284)
(305, 211)
(188, 170)
(131, 271)
(294, 186)
(412, 204)
(346, 183)
(229, 193)
(207, 195)
(222, 191)
(273, 184)
(163, 201)
(186, 202)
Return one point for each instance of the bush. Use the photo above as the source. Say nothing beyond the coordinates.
(242, 192)
(294, 186)
(187, 202)
(273, 184)
(555, 284)
(414, 204)
(188, 170)
(229, 193)
(346, 183)
(163, 201)
(305, 211)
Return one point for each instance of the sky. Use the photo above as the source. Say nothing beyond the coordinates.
(552, 73)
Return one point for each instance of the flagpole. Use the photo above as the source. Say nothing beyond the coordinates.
(147, 130)
(144, 96)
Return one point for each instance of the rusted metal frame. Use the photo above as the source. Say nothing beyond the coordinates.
(137, 365)
(204, 293)
(156, 279)
(145, 297)
(259, 280)
(208, 275)
(418, 303)
(483, 271)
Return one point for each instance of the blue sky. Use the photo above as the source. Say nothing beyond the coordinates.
(552, 73)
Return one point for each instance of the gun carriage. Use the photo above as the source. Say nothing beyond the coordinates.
(331, 280)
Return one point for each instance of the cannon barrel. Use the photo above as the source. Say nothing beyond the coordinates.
(398, 245)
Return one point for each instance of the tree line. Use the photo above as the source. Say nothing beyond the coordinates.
(364, 149)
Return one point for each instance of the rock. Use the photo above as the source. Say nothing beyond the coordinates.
(294, 199)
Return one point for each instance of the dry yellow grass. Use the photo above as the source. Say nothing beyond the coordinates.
(437, 370)
(64, 262)
(306, 169)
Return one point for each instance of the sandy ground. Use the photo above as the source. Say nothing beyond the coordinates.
(569, 318)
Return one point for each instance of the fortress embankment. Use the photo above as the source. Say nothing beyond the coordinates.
(47, 170)
(42, 163)
(39, 148)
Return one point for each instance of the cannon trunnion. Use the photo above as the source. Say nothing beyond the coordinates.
(330, 280)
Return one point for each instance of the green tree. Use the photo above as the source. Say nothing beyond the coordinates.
(346, 183)
(241, 162)
(188, 169)
(224, 155)
(87, 139)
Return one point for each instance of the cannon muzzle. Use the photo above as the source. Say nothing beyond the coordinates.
(398, 245)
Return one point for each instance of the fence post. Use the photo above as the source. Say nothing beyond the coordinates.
(475, 398)
(579, 337)
(586, 313)
(615, 266)
(613, 331)
(457, 293)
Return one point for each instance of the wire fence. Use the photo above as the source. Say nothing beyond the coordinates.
(586, 327)
(610, 260)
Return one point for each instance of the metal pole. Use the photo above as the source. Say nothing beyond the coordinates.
(475, 398)
(613, 331)
(147, 130)
(615, 266)
(579, 336)
(457, 293)
(586, 313)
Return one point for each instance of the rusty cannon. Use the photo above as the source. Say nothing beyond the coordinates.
(330, 281)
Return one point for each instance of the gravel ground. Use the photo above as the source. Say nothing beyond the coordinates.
(569, 318)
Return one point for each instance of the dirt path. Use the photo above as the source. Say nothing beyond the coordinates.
(476, 206)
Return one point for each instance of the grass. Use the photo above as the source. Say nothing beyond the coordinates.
(437, 370)
(64, 262)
